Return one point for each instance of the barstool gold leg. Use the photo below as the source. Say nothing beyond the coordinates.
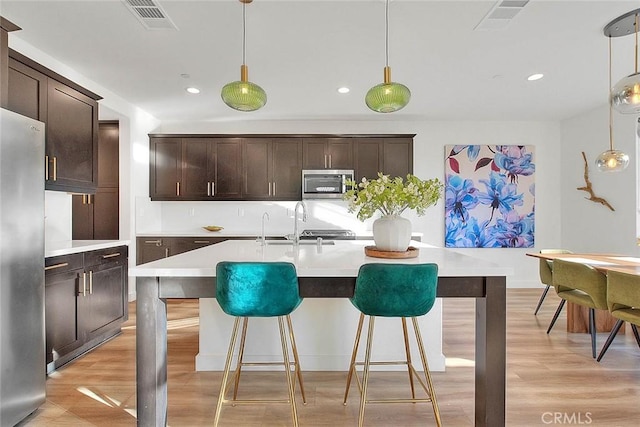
(296, 361)
(225, 375)
(427, 374)
(407, 351)
(352, 365)
(287, 370)
(243, 339)
(365, 379)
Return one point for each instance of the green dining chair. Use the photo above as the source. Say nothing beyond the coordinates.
(546, 273)
(623, 300)
(259, 289)
(583, 285)
(393, 290)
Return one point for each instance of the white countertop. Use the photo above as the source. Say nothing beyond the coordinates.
(74, 246)
(226, 233)
(343, 259)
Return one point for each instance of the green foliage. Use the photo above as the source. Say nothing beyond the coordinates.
(392, 196)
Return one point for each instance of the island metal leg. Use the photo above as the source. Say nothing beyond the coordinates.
(151, 353)
(491, 354)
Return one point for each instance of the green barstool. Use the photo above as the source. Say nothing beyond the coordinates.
(259, 289)
(394, 290)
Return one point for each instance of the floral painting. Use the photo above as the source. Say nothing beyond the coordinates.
(489, 196)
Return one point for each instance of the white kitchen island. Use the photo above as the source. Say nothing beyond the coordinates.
(324, 323)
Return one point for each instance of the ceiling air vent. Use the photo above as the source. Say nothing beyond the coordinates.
(150, 14)
(501, 14)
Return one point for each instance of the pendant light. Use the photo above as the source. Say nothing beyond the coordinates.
(611, 160)
(625, 96)
(387, 97)
(243, 95)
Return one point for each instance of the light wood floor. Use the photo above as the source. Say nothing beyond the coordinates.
(547, 376)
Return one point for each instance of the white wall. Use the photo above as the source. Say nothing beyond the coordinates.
(588, 226)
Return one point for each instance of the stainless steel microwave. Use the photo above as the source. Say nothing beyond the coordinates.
(325, 183)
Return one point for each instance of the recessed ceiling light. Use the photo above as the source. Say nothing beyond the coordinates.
(534, 77)
(343, 89)
(193, 90)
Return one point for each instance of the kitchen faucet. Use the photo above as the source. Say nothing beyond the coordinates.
(263, 239)
(296, 235)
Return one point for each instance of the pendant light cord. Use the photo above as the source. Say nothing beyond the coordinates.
(244, 33)
(635, 25)
(610, 106)
(386, 26)
(386, 36)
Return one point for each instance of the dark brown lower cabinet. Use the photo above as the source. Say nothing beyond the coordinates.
(86, 297)
(155, 248)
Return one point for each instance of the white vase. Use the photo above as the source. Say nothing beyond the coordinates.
(392, 233)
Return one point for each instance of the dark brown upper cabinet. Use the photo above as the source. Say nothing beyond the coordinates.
(211, 168)
(195, 168)
(28, 92)
(272, 168)
(328, 153)
(70, 114)
(264, 167)
(391, 156)
(96, 216)
(165, 168)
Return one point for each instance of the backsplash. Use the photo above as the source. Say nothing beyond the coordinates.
(242, 217)
(57, 216)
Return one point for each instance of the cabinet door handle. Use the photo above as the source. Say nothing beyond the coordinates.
(213, 188)
(54, 266)
(90, 282)
(166, 252)
(55, 168)
(177, 188)
(269, 188)
(158, 243)
(329, 155)
(325, 161)
(208, 188)
(89, 199)
(46, 168)
(84, 284)
(200, 241)
(274, 188)
(113, 255)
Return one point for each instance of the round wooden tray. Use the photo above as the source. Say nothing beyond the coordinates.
(372, 251)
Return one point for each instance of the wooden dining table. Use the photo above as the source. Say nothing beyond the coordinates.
(577, 316)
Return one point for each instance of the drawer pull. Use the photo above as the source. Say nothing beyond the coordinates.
(201, 241)
(54, 266)
(111, 255)
(154, 242)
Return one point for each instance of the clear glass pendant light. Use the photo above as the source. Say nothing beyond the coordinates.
(625, 96)
(611, 160)
(388, 96)
(243, 95)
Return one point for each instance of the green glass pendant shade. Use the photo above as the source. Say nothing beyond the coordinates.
(387, 97)
(243, 95)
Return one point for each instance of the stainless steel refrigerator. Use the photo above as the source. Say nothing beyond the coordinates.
(22, 343)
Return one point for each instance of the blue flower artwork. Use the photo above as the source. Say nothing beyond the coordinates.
(489, 196)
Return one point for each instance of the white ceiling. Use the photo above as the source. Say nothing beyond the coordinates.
(301, 51)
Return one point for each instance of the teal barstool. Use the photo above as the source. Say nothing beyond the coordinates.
(259, 289)
(394, 290)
